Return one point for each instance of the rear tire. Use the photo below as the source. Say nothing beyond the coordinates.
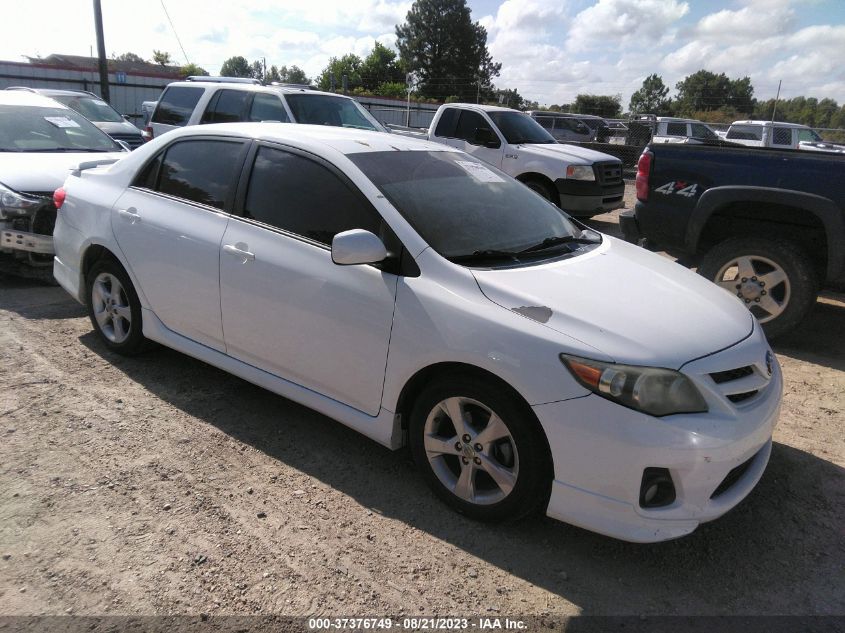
(775, 279)
(114, 307)
(503, 471)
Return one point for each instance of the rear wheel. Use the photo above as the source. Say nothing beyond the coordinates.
(480, 450)
(114, 308)
(774, 279)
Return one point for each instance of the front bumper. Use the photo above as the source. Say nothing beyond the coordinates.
(11, 239)
(601, 449)
(586, 198)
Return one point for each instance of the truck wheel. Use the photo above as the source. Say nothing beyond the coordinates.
(538, 186)
(774, 279)
(114, 307)
(479, 450)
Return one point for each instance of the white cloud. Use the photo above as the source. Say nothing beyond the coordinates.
(618, 23)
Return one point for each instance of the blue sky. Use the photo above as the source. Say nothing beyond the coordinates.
(550, 50)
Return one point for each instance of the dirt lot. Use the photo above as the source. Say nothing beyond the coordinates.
(161, 485)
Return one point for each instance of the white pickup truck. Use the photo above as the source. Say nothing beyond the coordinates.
(780, 135)
(580, 181)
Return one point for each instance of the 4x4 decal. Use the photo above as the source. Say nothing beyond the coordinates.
(678, 187)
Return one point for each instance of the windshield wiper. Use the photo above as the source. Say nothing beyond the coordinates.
(551, 242)
(485, 254)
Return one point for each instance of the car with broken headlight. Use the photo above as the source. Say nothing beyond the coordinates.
(424, 298)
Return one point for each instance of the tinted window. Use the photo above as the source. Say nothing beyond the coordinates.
(148, 177)
(782, 136)
(461, 206)
(176, 105)
(267, 107)
(446, 124)
(745, 132)
(518, 127)
(546, 122)
(702, 131)
(296, 194)
(468, 123)
(202, 171)
(227, 106)
(676, 129)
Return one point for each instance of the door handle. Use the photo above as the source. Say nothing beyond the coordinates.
(239, 251)
(129, 214)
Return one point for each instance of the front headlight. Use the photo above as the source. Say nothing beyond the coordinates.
(651, 390)
(580, 172)
(13, 203)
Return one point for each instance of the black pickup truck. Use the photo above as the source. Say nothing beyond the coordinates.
(767, 225)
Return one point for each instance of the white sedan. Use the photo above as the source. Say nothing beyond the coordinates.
(421, 297)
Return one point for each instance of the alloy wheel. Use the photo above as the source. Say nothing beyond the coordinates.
(111, 307)
(759, 282)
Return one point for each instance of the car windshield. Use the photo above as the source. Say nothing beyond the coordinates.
(809, 135)
(467, 210)
(518, 127)
(701, 131)
(328, 110)
(91, 108)
(44, 129)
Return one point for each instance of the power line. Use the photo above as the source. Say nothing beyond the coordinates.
(187, 61)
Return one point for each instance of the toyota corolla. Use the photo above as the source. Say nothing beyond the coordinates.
(426, 299)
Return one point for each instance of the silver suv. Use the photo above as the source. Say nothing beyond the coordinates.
(223, 100)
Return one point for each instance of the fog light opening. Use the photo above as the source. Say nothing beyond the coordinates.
(657, 488)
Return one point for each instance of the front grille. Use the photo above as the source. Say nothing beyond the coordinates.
(609, 173)
(132, 140)
(732, 374)
(739, 397)
(733, 476)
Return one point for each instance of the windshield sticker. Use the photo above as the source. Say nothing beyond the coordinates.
(479, 172)
(61, 121)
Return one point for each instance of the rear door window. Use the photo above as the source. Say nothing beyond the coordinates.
(782, 136)
(745, 132)
(267, 107)
(201, 171)
(446, 124)
(227, 106)
(676, 129)
(176, 105)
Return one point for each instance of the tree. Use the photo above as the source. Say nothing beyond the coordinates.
(236, 67)
(380, 67)
(601, 105)
(162, 58)
(130, 57)
(256, 70)
(392, 89)
(651, 98)
(192, 70)
(349, 65)
(446, 49)
(293, 75)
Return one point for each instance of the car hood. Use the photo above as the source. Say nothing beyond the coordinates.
(117, 127)
(635, 306)
(43, 172)
(572, 153)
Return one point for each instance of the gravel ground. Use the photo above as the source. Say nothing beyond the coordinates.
(161, 485)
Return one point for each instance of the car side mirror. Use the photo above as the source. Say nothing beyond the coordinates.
(486, 137)
(357, 246)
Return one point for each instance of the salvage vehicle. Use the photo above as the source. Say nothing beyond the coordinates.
(41, 140)
(563, 127)
(95, 110)
(581, 181)
(767, 225)
(422, 297)
(780, 135)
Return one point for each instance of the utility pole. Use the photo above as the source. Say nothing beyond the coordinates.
(775, 107)
(101, 52)
(264, 78)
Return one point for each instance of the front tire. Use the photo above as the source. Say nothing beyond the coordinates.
(544, 189)
(114, 307)
(480, 449)
(774, 279)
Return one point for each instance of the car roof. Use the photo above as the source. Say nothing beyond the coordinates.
(770, 123)
(675, 119)
(27, 98)
(343, 140)
(484, 108)
(222, 85)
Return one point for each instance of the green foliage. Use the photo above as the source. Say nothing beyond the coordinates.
(293, 75)
(379, 67)
(651, 98)
(704, 91)
(130, 57)
(600, 105)
(162, 58)
(189, 70)
(447, 51)
(236, 67)
(819, 113)
(349, 65)
(392, 89)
